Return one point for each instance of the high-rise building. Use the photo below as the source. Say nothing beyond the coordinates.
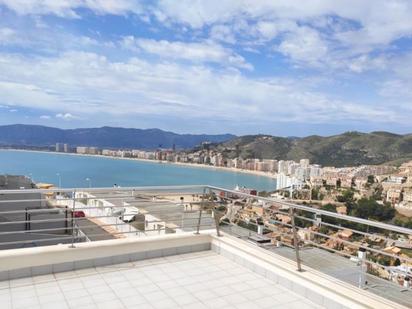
(315, 170)
(304, 162)
(58, 147)
(65, 147)
(282, 167)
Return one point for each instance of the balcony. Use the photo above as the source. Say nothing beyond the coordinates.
(189, 247)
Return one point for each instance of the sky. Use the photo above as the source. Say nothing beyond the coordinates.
(280, 67)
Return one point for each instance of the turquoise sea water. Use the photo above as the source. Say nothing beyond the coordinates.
(105, 172)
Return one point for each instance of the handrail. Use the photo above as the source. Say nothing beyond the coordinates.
(377, 224)
(103, 189)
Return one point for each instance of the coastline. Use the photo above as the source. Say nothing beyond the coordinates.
(184, 164)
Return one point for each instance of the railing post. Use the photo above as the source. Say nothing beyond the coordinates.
(26, 220)
(215, 214)
(295, 237)
(200, 211)
(362, 258)
(73, 218)
(216, 217)
(66, 218)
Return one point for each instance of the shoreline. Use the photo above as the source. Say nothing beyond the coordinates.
(184, 164)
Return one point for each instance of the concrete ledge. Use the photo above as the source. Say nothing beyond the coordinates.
(20, 263)
(314, 285)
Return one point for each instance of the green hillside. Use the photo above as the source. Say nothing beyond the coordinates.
(348, 149)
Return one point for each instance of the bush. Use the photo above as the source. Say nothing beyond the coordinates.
(370, 209)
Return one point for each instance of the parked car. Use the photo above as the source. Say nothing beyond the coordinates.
(79, 214)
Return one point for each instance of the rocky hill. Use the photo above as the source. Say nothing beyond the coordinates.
(348, 149)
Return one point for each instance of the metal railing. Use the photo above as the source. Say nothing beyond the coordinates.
(36, 217)
(371, 247)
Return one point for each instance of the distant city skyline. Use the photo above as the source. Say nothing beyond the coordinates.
(284, 68)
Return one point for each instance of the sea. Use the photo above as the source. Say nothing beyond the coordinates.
(74, 171)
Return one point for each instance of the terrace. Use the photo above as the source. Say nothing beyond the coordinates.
(193, 247)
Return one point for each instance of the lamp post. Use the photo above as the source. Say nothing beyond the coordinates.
(89, 181)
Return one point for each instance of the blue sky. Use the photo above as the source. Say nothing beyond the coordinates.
(286, 67)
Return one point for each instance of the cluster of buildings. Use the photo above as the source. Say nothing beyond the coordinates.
(211, 158)
(396, 183)
(272, 222)
(291, 174)
(87, 150)
(357, 176)
(397, 189)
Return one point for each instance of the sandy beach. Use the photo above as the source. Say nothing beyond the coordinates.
(192, 165)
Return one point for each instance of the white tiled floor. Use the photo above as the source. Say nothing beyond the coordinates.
(195, 280)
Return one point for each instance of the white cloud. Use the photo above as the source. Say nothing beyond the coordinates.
(350, 28)
(305, 45)
(365, 62)
(44, 117)
(196, 52)
(343, 36)
(222, 33)
(65, 116)
(67, 8)
(267, 29)
(6, 34)
(89, 85)
(369, 23)
(399, 86)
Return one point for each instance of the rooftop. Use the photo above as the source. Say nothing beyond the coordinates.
(180, 254)
(195, 280)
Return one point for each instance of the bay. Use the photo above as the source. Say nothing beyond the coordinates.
(74, 170)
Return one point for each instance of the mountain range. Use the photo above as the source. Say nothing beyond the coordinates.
(104, 137)
(347, 149)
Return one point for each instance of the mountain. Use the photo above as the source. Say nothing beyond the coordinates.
(347, 149)
(105, 137)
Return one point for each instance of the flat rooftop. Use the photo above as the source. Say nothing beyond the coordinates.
(183, 261)
(195, 280)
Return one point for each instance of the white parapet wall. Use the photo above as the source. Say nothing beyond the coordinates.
(322, 289)
(18, 263)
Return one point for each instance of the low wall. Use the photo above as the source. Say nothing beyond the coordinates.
(19, 263)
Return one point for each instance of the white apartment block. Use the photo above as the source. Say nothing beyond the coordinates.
(304, 163)
(82, 150)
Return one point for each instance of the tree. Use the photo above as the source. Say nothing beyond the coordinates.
(385, 260)
(371, 179)
(329, 207)
(370, 209)
(315, 193)
(264, 194)
(346, 197)
(338, 183)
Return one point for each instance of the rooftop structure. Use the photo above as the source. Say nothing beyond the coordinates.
(205, 247)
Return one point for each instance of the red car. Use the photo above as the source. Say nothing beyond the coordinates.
(79, 214)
